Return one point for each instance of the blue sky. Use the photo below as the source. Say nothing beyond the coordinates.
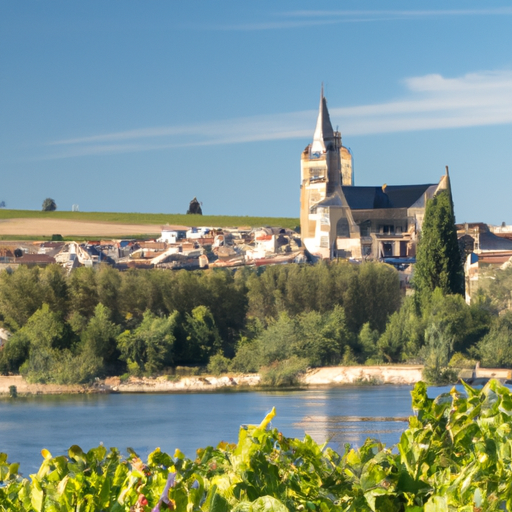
(140, 106)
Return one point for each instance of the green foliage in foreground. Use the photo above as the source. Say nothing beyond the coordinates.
(154, 218)
(455, 455)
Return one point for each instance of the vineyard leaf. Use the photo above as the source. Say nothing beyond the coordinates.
(261, 504)
(268, 504)
(76, 453)
(437, 504)
(13, 469)
(37, 496)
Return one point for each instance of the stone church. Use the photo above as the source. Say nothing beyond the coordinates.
(339, 219)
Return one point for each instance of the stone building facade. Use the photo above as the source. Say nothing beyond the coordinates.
(339, 219)
(325, 214)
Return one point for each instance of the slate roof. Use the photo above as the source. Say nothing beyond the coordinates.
(323, 131)
(395, 196)
(491, 242)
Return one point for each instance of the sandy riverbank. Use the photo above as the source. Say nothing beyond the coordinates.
(24, 388)
(340, 375)
(332, 376)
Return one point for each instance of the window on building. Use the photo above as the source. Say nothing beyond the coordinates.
(342, 228)
(316, 173)
(387, 249)
(365, 228)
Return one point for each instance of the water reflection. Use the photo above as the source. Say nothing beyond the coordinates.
(339, 430)
(352, 414)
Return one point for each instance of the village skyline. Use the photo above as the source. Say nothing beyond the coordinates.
(143, 107)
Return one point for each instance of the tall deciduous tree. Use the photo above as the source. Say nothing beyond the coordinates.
(43, 331)
(21, 295)
(438, 261)
(150, 346)
(100, 335)
(83, 291)
(202, 336)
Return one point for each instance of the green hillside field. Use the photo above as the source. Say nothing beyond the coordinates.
(151, 219)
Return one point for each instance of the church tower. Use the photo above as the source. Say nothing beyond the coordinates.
(324, 212)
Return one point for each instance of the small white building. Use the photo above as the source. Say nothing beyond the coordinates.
(169, 236)
(199, 232)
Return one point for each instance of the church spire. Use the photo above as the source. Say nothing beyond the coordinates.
(324, 134)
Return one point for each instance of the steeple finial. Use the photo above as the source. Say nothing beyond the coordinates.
(324, 133)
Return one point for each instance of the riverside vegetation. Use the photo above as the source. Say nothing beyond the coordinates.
(456, 454)
(98, 322)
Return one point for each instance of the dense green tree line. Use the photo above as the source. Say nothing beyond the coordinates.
(99, 321)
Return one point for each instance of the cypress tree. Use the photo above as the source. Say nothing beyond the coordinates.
(438, 259)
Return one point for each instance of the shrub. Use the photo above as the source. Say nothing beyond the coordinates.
(284, 373)
(247, 359)
(495, 349)
(134, 368)
(188, 371)
(459, 360)
(218, 364)
(349, 359)
(76, 369)
(439, 376)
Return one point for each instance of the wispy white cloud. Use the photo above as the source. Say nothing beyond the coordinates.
(407, 13)
(230, 131)
(436, 102)
(429, 102)
(306, 18)
(277, 25)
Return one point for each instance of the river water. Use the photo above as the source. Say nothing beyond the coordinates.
(194, 420)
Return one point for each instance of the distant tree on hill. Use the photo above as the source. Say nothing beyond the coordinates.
(2, 204)
(195, 207)
(49, 205)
